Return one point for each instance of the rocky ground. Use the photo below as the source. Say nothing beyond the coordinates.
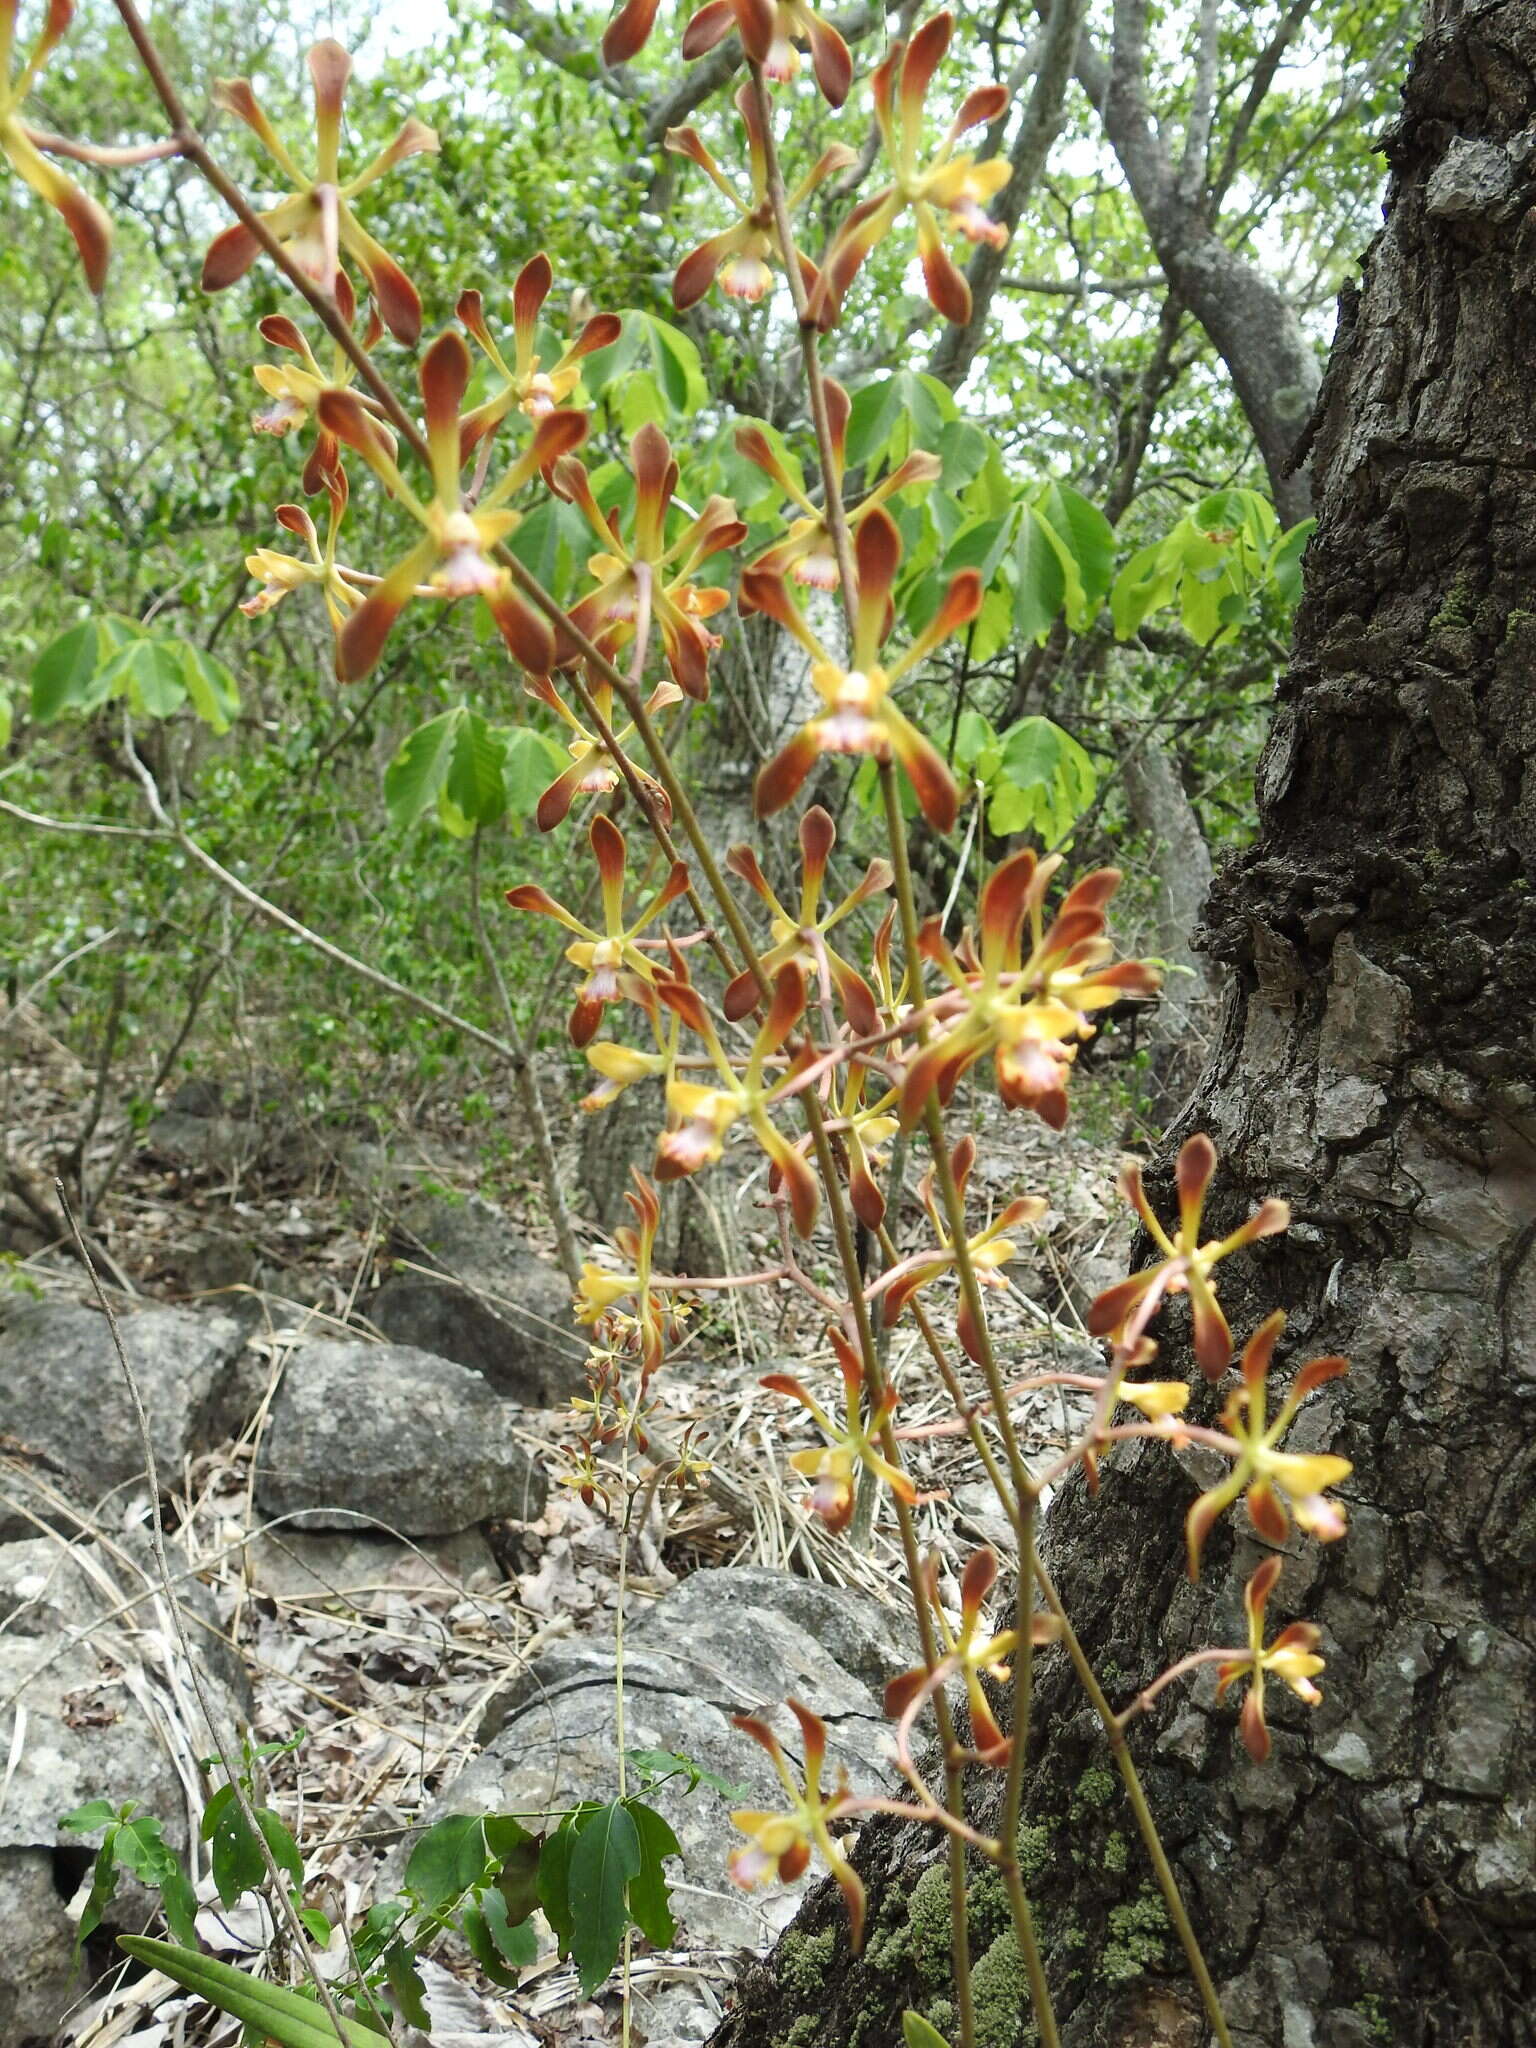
(357, 1375)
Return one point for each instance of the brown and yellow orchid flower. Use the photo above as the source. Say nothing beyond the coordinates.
(945, 188)
(746, 256)
(849, 1446)
(316, 222)
(969, 1654)
(1291, 1657)
(454, 557)
(862, 1127)
(769, 31)
(990, 1249)
(804, 938)
(1123, 1311)
(1264, 1473)
(279, 574)
(632, 1314)
(806, 554)
(649, 579)
(858, 714)
(593, 771)
(525, 384)
(779, 1845)
(85, 219)
(621, 1066)
(699, 1116)
(294, 389)
(610, 959)
(1027, 1011)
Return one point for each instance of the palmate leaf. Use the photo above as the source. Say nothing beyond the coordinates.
(270, 2011)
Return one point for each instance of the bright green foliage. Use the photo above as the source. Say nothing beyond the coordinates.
(133, 1843)
(154, 674)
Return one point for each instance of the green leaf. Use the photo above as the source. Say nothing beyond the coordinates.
(1285, 561)
(649, 1903)
(482, 1944)
(973, 736)
(1045, 780)
(1090, 539)
(269, 2010)
(515, 1940)
(447, 1861)
(406, 1987)
(605, 1858)
(235, 1853)
(555, 1885)
(141, 1850)
(875, 411)
(67, 675)
(1144, 585)
(518, 1878)
(5, 723)
(675, 360)
(1041, 581)
(103, 1884)
(99, 1813)
(473, 781)
(148, 673)
(656, 1764)
(213, 691)
(414, 777)
(917, 2032)
(529, 764)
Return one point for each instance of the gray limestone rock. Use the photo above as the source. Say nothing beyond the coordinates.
(489, 1305)
(385, 1431)
(62, 1392)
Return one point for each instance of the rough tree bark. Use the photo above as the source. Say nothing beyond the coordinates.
(1377, 1880)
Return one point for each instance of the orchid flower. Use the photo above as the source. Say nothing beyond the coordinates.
(593, 772)
(85, 219)
(524, 383)
(769, 31)
(862, 1128)
(1187, 1263)
(746, 256)
(1292, 1657)
(453, 559)
(650, 578)
(279, 574)
(969, 1654)
(990, 1250)
(803, 937)
(955, 187)
(849, 1445)
(858, 715)
(1027, 1012)
(610, 959)
(294, 388)
(625, 1300)
(699, 1116)
(1261, 1471)
(807, 554)
(316, 222)
(780, 1844)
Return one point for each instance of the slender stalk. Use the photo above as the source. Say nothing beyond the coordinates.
(1125, 1763)
(525, 1079)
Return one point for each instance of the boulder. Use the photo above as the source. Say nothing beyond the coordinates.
(95, 1703)
(724, 1642)
(37, 1954)
(490, 1304)
(62, 1392)
(350, 1570)
(393, 1434)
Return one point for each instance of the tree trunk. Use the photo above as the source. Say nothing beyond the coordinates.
(1376, 1881)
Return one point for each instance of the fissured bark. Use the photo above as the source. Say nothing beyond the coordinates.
(1376, 1881)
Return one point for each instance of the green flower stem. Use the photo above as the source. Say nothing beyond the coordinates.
(1125, 1763)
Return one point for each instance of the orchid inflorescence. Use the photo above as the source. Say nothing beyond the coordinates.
(804, 1052)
